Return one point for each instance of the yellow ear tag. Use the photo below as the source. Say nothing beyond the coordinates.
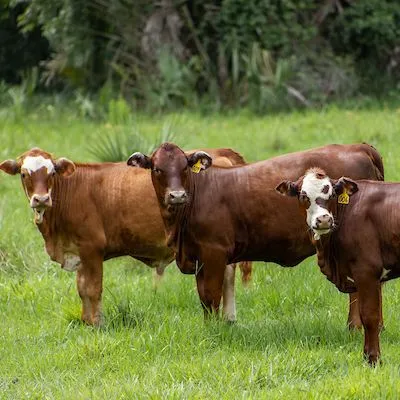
(344, 198)
(196, 168)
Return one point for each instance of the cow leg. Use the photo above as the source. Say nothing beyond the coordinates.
(229, 306)
(370, 306)
(200, 291)
(90, 285)
(354, 319)
(381, 325)
(214, 273)
(210, 281)
(246, 270)
(158, 273)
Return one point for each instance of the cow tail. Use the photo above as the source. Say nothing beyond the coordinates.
(235, 157)
(376, 159)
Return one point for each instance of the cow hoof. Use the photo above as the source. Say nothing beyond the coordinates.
(373, 359)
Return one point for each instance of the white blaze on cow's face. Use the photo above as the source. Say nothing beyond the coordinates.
(37, 175)
(318, 189)
(33, 164)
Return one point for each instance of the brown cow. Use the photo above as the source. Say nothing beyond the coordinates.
(226, 215)
(356, 233)
(84, 213)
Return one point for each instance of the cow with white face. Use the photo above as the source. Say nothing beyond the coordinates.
(37, 169)
(356, 228)
(317, 195)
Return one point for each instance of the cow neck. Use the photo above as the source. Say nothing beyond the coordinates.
(328, 254)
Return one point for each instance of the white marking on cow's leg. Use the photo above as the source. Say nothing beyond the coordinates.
(32, 164)
(385, 273)
(228, 296)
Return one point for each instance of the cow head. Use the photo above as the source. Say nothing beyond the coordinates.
(170, 171)
(37, 169)
(317, 194)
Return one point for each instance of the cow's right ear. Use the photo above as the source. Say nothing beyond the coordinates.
(10, 167)
(139, 160)
(287, 188)
(64, 167)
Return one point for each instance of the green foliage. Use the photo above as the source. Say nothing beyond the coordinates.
(118, 145)
(274, 25)
(206, 54)
(173, 85)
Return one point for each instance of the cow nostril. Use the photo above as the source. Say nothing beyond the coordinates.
(324, 219)
(40, 200)
(177, 195)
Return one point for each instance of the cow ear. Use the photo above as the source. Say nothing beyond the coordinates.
(10, 167)
(199, 161)
(287, 188)
(345, 185)
(139, 160)
(64, 167)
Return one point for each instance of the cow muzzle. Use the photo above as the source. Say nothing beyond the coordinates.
(40, 203)
(176, 197)
(323, 224)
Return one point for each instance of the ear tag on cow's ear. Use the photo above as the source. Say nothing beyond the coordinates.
(196, 168)
(344, 198)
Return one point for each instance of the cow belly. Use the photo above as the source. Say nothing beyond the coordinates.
(71, 262)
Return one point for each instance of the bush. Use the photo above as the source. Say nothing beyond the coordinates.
(268, 54)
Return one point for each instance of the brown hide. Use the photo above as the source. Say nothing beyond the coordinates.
(235, 214)
(364, 250)
(238, 210)
(101, 211)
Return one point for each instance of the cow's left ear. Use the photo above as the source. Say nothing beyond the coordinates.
(64, 167)
(345, 185)
(287, 188)
(199, 161)
(139, 160)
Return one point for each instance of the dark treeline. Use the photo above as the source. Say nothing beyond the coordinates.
(266, 54)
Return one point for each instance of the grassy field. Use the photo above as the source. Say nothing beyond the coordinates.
(290, 340)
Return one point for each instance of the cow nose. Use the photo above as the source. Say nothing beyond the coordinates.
(324, 221)
(40, 201)
(177, 196)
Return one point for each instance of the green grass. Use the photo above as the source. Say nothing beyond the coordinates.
(290, 340)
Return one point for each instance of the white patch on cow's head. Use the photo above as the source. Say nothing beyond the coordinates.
(315, 187)
(32, 164)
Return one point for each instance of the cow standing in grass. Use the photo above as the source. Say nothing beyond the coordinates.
(355, 229)
(220, 215)
(88, 213)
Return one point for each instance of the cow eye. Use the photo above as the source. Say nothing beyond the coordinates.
(157, 170)
(22, 175)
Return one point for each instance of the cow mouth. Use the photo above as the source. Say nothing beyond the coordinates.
(38, 214)
(176, 202)
(320, 232)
